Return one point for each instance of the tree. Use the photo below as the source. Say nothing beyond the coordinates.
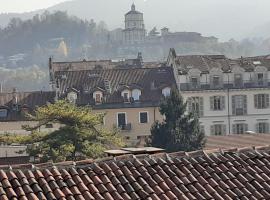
(81, 134)
(180, 130)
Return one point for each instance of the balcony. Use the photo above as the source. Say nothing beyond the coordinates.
(125, 127)
(224, 85)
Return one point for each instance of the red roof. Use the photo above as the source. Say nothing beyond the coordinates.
(231, 174)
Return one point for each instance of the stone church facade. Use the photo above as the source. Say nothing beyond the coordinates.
(134, 32)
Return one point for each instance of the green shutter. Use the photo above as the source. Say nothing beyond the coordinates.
(245, 104)
(212, 103)
(222, 103)
(267, 100)
(245, 127)
(224, 129)
(267, 127)
(234, 128)
(257, 127)
(201, 106)
(256, 100)
(212, 129)
(233, 105)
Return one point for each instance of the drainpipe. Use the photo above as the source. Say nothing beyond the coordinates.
(228, 104)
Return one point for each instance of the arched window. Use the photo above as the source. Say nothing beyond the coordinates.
(166, 91)
(136, 94)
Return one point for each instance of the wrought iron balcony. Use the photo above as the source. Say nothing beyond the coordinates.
(224, 85)
(125, 127)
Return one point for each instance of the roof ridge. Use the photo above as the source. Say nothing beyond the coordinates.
(131, 157)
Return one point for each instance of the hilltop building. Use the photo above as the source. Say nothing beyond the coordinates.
(231, 96)
(134, 32)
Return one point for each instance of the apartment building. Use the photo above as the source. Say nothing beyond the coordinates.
(15, 105)
(130, 97)
(230, 96)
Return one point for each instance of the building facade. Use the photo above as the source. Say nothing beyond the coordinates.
(129, 97)
(229, 96)
(15, 106)
(134, 32)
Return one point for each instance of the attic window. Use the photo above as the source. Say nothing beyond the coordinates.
(136, 94)
(166, 91)
(72, 97)
(3, 113)
(98, 97)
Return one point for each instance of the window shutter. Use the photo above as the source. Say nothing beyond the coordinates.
(212, 103)
(201, 106)
(212, 129)
(245, 127)
(223, 103)
(245, 104)
(224, 129)
(267, 127)
(258, 128)
(267, 100)
(234, 128)
(233, 105)
(256, 100)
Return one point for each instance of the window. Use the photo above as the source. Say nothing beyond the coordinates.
(238, 80)
(260, 78)
(194, 82)
(239, 105)
(261, 101)
(143, 117)
(121, 120)
(216, 81)
(166, 91)
(3, 113)
(98, 98)
(217, 103)
(136, 94)
(218, 129)
(262, 127)
(240, 128)
(72, 97)
(195, 105)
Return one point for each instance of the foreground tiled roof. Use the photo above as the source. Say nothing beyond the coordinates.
(237, 141)
(232, 174)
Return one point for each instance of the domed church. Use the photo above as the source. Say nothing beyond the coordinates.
(134, 32)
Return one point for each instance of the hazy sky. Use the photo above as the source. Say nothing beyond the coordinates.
(25, 5)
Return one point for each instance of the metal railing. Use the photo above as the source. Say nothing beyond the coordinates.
(125, 127)
(224, 85)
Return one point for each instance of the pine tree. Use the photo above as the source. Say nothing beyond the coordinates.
(180, 130)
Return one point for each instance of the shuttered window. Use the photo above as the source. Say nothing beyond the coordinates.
(261, 101)
(262, 127)
(240, 128)
(239, 105)
(217, 103)
(195, 106)
(218, 129)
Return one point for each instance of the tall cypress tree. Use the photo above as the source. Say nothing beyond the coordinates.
(180, 130)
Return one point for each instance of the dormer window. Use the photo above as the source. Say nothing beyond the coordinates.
(126, 95)
(166, 91)
(97, 96)
(136, 94)
(3, 113)
(72, 97)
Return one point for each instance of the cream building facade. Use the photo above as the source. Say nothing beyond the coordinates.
(229, 96)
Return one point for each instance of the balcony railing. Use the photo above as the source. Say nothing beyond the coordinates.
(224, 85)
(125, 127)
